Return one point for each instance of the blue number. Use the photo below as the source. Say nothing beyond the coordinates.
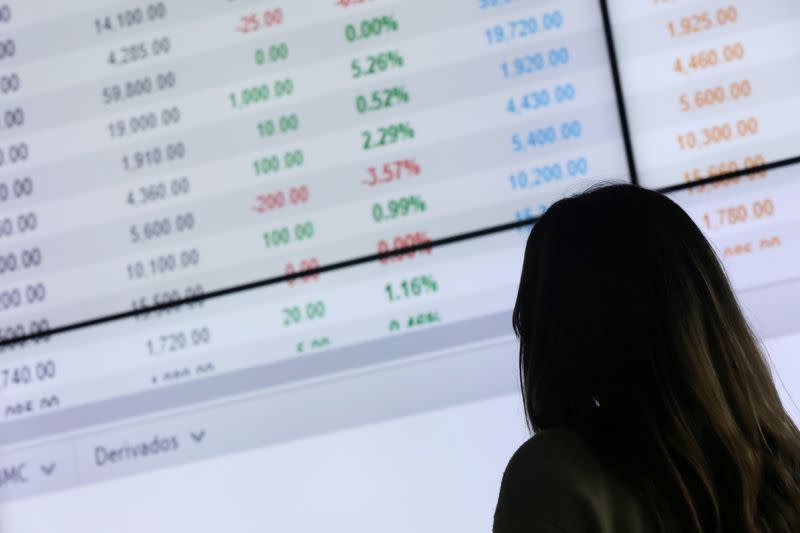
(541, 99)
(524, 214)
(523, 28)
(512, 105)
(578, 167)
(565, 93)
(549, 173)
(546, 136)
(531, 27)
(535, 62)
(518, 180)
(552, 20)
(542, 136)
(559, 56)
(496, 35)
(516, 142)
(571, 130)
(488, 4)
(536, 100)
(546, 174)
(528, 213)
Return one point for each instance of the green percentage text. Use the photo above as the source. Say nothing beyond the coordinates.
(398, 208)
(388, 135)
(378, 100)
(411, 288)
(376, 64)
(372, 27)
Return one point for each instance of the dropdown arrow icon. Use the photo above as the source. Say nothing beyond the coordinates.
(198, 436)
(48, 469)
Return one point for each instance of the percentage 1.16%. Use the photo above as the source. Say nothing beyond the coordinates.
(411, 288)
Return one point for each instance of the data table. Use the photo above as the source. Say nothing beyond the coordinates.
(153, 151)
(709, 87)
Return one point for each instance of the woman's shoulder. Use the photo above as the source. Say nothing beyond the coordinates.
(555, 451)
(555, 482)
(555, 460)
(555, 446)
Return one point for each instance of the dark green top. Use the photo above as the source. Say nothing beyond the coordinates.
(555, 484)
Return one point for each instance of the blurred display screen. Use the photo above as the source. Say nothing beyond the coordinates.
(709, 86)
(157, 151)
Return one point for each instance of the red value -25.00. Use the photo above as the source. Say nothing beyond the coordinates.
(260, 21)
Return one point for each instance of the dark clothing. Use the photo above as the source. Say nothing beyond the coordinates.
(555, 484)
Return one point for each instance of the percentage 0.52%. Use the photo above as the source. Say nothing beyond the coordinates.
(382, 99)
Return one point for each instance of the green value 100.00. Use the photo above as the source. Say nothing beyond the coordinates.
(289, 235)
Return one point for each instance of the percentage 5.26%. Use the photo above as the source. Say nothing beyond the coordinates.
(376, 64)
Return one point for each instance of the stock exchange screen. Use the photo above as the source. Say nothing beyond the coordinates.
(156, 151)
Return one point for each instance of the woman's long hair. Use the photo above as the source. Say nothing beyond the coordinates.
(630, 334)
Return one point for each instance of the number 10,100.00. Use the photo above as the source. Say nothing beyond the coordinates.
(163, 264)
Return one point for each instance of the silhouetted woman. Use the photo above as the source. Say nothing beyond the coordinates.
(652, 405)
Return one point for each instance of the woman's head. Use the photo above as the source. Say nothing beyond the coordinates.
(630, 334)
